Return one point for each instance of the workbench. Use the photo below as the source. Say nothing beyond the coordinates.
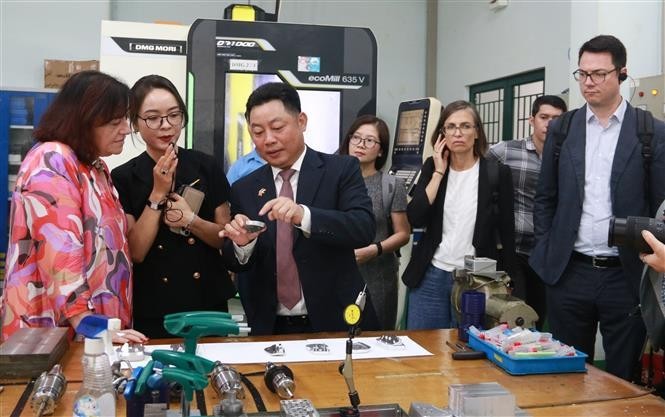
(405, 380)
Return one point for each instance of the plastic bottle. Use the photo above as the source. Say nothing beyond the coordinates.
(96, 396)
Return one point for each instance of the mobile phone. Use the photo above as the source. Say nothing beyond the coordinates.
(254, 226)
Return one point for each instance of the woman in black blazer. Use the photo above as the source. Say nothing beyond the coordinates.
(462, 213)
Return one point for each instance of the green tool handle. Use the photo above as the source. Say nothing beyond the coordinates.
(182, 360)
(192, 328)
(190, 380)
(143, 378)
(186, 314)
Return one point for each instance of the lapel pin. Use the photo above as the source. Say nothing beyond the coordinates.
(261, 192)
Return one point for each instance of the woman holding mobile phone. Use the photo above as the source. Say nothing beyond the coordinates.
(464, 211)
(175, 249)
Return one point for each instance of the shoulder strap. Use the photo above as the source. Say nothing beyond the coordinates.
(388, 195)
(645, 134)
(493, 176)
(387, 191)
(560, 134)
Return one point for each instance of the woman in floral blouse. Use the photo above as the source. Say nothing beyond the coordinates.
(67, 255)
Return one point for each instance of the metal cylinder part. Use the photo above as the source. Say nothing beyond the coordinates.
(225, 380)
(279, 379)
(49, 388)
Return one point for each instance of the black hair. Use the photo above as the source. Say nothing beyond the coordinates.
(274, 91)
(384, 137)
(606, 43)
(144, 86)
(554, 101)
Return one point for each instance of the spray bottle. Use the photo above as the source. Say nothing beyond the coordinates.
(96, 396)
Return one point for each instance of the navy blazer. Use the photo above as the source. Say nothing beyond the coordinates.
(333, 189)
(423, 214)
(558, 202)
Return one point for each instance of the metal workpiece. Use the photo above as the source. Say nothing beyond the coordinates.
(226, 381)
(49, 389)
(279, 379)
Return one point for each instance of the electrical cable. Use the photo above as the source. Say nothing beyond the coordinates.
(20, 404)
(256, 395)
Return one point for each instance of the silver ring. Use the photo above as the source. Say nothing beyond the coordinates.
(164, 172)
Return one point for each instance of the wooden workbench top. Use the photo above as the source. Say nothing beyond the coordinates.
(404, 380)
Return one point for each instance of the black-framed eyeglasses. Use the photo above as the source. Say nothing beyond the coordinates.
(175, 119)
(597, 77)
(451, 128)
(369, 141)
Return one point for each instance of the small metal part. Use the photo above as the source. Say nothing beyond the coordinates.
(318, 348)
(178, 347)
(254, 226)
(155, 410)
(360, 347)
(226, 382)
(297, 408)
(390, 341)
(48, 390)
(279, 379)
(276, 350)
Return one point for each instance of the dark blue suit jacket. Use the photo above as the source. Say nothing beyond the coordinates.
(332, 187)
(558, 202)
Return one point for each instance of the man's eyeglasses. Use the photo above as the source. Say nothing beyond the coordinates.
(369, 142)
(449, 130)
(175, 119)
(597, 77)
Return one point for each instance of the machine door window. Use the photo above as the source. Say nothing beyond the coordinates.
(505, 104)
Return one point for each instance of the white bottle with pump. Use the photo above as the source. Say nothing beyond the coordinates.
(96, 396)
(112, 327)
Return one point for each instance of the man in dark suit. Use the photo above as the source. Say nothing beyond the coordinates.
(600, 173)
(301, 268)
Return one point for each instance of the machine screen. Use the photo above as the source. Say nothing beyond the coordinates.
(410, 127)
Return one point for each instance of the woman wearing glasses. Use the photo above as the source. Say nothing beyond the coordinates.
(368, 140)
(174, 248)
(462, 211)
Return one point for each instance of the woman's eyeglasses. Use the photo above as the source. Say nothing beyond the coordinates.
(449, 130)
(175, 119)
(368, 142)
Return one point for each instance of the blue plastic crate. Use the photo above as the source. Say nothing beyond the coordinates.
(528, 366)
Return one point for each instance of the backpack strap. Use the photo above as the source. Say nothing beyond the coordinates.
(560, 134)
(387, 191)
(493, 176)
(645, 135)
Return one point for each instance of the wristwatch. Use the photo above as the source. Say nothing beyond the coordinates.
(155, 206)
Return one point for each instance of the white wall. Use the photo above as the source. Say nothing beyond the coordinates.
(477, 44)
(32, 31)
(639, 27)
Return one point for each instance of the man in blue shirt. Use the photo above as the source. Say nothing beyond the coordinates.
(244, 165)
(599, 173)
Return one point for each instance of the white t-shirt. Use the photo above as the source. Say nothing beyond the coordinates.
(459, 219)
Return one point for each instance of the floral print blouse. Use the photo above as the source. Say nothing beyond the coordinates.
(67, 250)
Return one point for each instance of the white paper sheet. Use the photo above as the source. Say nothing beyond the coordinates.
(296, 351)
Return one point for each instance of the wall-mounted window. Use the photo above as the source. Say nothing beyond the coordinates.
(505, 104)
